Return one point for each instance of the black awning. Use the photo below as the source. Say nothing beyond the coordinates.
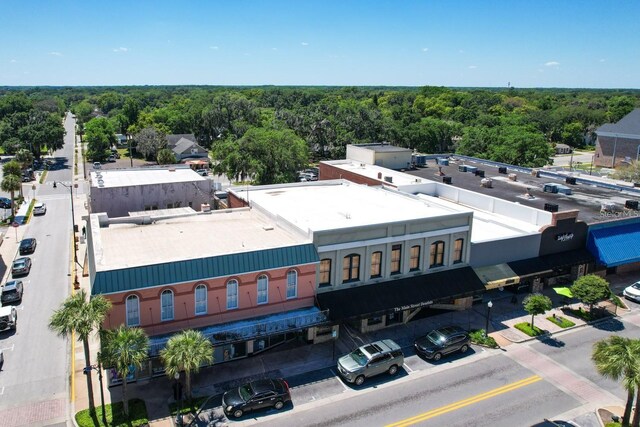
(400, 294)
(547, 263)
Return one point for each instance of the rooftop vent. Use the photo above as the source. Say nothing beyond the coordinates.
(446, 179)
(388, 179)
(570, 180)
(172, 169)
(631, 204)
(502, 169)
(267, 227)
(486, 183)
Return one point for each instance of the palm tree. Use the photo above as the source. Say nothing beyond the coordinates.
(122, 348)
(11, 183)
(12, 168)
(619, 358)
(81, 315)
(186, 351)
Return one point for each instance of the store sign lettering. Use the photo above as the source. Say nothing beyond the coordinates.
(564, 237)
(412, 306)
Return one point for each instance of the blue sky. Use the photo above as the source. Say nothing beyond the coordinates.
(535, 43)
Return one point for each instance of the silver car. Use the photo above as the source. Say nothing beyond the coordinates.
(370, 360)
(632, 292)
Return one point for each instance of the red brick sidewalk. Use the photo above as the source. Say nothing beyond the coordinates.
(35, 414)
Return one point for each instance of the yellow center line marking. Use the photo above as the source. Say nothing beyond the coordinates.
(466, 402)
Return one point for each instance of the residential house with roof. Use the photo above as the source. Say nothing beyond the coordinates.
(186, 147)
(618, 143)
(243, 280)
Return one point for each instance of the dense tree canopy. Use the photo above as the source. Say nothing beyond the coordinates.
(511, 125)
(100, 137)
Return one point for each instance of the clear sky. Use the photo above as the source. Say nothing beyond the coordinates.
(527, 43)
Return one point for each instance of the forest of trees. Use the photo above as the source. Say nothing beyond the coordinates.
(267, 132)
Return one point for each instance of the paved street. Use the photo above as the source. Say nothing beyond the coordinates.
(34, 380)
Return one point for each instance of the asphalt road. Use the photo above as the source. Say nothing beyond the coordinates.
(483, 388)
(36, 360)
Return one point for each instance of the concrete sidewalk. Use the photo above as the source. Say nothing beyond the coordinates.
(293, 358)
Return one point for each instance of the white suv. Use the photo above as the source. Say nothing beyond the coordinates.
(8, 318)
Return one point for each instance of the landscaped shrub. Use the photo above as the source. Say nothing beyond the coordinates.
(561, 321)
(480, 337)
(115, 417)
(526, 328)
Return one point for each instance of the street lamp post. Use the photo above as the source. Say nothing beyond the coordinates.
(178, 397)
(73, 217)
(87, 371)
(486, 328)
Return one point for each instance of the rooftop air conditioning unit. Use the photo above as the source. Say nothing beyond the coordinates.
(388, 179)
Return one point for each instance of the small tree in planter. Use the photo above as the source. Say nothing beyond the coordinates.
(591, 289)
(536, 304)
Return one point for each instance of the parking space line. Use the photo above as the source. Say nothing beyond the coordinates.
(405, 366)
(339, 379)
(8, 348)
(2, 391)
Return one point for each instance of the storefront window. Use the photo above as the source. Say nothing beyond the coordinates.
(415, 258)
(351, 268)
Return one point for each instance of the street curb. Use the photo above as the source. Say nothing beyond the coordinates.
(549, 334)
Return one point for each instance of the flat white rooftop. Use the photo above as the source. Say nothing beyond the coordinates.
(196, 236)
(377, 172)
(329, 205)
(143, 176)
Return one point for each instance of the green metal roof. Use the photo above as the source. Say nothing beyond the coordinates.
(127, 279)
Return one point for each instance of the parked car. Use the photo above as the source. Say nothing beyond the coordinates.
(21, 266)
(370, 360)
(97, 165)
(202, 172)
(259, 394)
(12, 292)
(111, 158)
(8, 318)
(443, 341)
(28, 246)
(5, 203)
(632, 292)
(39, 208)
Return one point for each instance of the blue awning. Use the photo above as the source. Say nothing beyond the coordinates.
(617, 245)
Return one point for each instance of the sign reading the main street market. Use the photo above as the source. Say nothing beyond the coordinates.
(412, 306)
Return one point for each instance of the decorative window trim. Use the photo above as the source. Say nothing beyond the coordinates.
(206, 298)
(126, 305)
(265, 291)
(163, 317)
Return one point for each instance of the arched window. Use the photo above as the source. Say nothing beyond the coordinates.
(133, 310)
(414, 262)
(292, 284)
(166, 309)
(351, 268)
(376, 264)
(436, 258)
(232, 294)
(396, 259)
(458, 246)
(201, 299)
(263, 289)
(325, 272)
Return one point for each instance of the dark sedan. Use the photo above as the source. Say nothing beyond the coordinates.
(260, 394)
(5, 203)
(443, 341)
(28, 246)
(21, 266)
